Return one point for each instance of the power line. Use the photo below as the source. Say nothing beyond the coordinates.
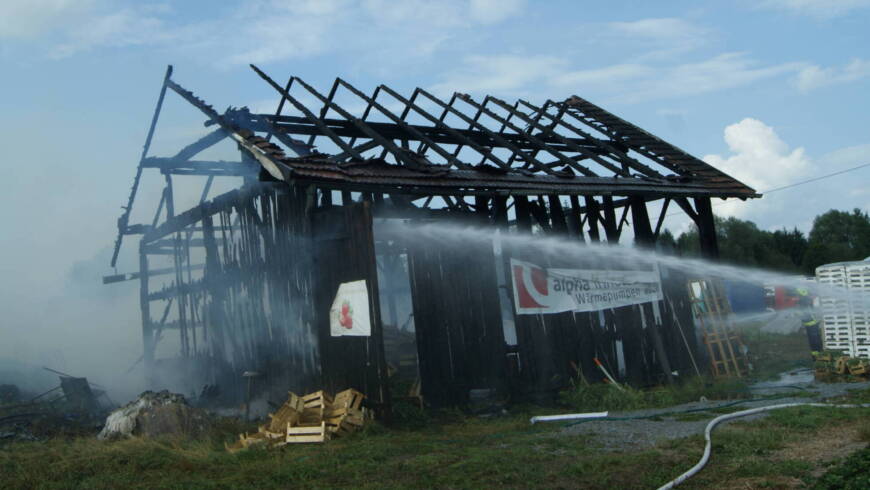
(815, 179)
(795, 184)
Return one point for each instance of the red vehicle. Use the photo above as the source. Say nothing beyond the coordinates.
(781, 297)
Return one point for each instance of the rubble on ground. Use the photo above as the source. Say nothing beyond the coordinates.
(156, 414)
(316, 417)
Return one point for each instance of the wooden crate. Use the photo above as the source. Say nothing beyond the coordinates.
(299, 435)
(289, 412)
(315, 406)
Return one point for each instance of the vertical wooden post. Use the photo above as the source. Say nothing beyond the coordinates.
(145, 306)
(557, 215)
(592, 215)
(706, 228)
(575, 230)
(643, 233)
(524, 217)
(499, 211)
(611, 227)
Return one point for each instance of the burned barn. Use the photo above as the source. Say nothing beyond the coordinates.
(346, 194)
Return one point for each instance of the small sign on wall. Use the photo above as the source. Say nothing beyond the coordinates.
(349, 314)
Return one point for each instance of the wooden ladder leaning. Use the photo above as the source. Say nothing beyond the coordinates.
(724, 347)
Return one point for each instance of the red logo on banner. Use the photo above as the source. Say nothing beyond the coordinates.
(523, 275)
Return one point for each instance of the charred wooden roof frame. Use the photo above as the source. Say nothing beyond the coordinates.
(592, 152)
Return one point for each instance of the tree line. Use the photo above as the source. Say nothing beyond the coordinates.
(836, 236)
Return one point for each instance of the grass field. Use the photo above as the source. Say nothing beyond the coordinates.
(791, 447)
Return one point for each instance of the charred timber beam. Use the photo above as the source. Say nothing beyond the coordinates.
(662, 214)
(456, 134)
(473, 123)
(131, 276)
(707, 229)
(605, 147)
(537, 142)
(175, 291)
(199, 167)
(415, 133)
(201, 144)
(548, 132)
(195, 214)
(145, 307)
(125, 217)
(611, 227)
(643, 232)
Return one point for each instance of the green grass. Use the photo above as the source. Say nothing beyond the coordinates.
(450, 450)
(599, 397)
(852, 473)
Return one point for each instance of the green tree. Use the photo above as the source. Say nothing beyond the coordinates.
(741, 242)
(837, 236)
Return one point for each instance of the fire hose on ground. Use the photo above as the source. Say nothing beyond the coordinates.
(722, 418)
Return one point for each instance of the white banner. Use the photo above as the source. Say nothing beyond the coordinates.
(538, 290)
(349, 314)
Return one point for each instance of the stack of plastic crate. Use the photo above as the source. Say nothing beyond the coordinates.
(858, 284)
(846, 316)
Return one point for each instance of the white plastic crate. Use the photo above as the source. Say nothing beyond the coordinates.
(846, 320)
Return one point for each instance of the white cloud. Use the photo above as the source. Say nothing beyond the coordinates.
(28, 19)
(759, 159)
(658, 29)
(847, 157)
(813, 76)
(505, 74)
(262, 31)
(824, 9)
(625, 82)
(493, 11)
(125, 27)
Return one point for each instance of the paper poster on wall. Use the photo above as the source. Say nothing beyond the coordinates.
(349, 314)
(538, 290)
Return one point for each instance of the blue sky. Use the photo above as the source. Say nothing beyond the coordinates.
(771, 91)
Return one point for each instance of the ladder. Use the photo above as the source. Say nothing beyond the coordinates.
(725, 349)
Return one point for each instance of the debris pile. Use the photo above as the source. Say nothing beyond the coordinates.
(316, 417)
(155, 414)
(834, 365)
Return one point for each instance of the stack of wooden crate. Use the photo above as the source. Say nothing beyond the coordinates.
(315, 417)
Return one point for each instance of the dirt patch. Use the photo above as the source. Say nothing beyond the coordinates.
(833, 443)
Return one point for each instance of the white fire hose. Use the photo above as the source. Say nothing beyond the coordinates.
(722, 418)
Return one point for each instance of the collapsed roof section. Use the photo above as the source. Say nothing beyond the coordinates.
(424, 145)
(568, 147)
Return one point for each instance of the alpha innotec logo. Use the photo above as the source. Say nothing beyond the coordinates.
(538, 290)
(531, 285)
